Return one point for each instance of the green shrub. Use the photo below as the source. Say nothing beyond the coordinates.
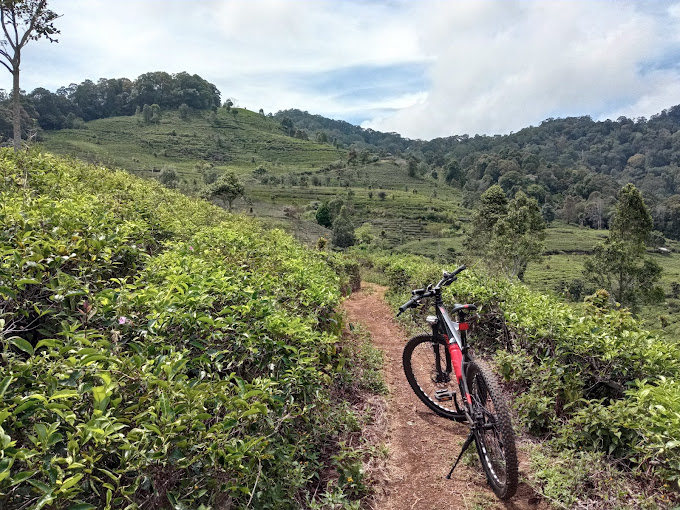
(569, 366)
(156, 350)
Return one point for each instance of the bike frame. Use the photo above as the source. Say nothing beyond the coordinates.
(455, 336)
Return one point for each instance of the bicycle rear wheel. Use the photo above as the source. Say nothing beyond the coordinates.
(434, 383)
(495, 439)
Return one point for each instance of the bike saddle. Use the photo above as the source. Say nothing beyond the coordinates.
(457, 307)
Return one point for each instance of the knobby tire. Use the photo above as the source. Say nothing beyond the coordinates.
(495, 441)
(419, 367)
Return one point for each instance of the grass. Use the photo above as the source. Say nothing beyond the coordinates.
(240, 141)
(571, 239)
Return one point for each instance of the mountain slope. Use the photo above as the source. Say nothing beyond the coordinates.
(239, 139)
(159, 352)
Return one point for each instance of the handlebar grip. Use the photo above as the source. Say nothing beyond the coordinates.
(461, 268)
(407, 305)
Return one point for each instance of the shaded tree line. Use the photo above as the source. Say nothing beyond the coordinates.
(111, 97)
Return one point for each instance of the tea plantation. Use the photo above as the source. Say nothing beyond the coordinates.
(158, 352)
(589, 380)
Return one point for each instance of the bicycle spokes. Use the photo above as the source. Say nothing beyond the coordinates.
(489, 440)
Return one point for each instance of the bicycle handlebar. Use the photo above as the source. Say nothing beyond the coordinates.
(451, 276)
(447, 279)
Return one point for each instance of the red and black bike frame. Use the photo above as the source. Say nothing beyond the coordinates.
(454, 335)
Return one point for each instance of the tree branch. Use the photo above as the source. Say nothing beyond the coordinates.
(27, 32)
(4, 27)
(36, 15)
(8, 67)
(16, 30)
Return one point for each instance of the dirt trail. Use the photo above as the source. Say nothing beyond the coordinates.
(422, 445)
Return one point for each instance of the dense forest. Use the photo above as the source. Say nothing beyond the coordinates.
(69, 106)
(572, 166)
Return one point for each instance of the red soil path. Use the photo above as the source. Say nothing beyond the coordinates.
(422, 445)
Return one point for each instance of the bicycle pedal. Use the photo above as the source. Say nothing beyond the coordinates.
(443, 395)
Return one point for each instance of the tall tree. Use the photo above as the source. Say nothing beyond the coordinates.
(412, 167)
(632, 220)
(493, 206)
(619, 265)
(343, 229)
(454, 172)
(517, 237)
(169, 178)
(323, 216)
(22, 21)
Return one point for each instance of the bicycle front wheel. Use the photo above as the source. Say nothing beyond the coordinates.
(428, 370)
(495, 439)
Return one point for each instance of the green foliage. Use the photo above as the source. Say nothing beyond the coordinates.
(169, 178)
(147, 113)
(347, 268)
(517, 237)
(365, 234)
(619, 264)
(508, 235)
(571, 479)
(647, 423)
(155, 113)
(454, 173)
(493, 205)
(632, 220)
(184, 111)
(157, 350)
(226, 188)
(323, 215)
(569, 367)
(343, 229)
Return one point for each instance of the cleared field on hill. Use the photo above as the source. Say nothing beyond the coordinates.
(240, 141)
(400, 217)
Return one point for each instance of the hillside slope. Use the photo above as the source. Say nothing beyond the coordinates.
(299, 173)
(409, 212)
(160, 352)
(239, 139)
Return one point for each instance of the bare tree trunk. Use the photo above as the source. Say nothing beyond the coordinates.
(16, 110)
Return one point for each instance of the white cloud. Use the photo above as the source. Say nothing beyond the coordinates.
(493, 66)
(503, 65)
(228, 39)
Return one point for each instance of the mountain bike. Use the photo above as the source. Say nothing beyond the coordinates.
(444, 376)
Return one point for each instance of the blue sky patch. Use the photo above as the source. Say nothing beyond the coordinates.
(365, 83)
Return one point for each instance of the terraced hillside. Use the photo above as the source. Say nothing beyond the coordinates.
(409, 213)
(239, 139)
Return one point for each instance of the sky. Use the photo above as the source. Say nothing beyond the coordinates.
(421, 68)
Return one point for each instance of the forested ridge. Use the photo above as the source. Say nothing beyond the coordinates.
(572, 166)
(110, 97)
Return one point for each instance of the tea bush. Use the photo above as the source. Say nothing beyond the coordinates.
(586, 376)
(157, 351)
